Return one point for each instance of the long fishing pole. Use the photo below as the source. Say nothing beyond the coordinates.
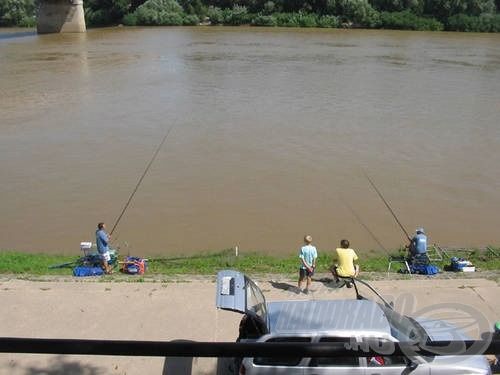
(389, 207)
(142, 177)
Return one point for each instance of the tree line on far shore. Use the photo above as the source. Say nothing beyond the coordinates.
(435, 15)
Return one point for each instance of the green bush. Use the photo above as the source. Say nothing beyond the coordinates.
(28, 21)
(299, 19)
(147, 17)
(489, 23)
(158, 13)
(171, 19)
(99, 17)
(105, 12)
(215, 15)
(328, 21)
(130, 19)
(359, 13)
(191, 20)
(408, 21)
(287, 20)
(462, 22)
(492, 20)
(236, 16)
(307, 19)
(264, 20)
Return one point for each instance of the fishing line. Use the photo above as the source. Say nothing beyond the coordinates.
(365, 226)
(389, 207)
(142, 177)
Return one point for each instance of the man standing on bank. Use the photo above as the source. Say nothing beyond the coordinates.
(344, 264)
(102, 240)
(307, 255)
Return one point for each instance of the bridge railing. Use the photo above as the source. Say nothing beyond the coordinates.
(184, 348)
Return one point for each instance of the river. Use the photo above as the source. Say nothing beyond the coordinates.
(272, 134)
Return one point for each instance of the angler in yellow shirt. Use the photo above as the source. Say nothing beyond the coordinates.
(345, 263)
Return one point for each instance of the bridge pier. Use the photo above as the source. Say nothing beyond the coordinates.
(60, 16)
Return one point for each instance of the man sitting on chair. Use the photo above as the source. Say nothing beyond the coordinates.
(418, 247)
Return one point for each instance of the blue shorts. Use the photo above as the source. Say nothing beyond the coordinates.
(303, 272)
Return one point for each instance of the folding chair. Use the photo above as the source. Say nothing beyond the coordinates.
(402, 260)
(86, 246)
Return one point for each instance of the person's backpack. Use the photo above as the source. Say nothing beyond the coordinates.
(424, 269)
(88, 271)
(134, 266)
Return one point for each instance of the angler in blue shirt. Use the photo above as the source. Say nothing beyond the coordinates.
(418, 244)
(102, 240)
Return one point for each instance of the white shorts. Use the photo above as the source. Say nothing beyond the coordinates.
(105, 256)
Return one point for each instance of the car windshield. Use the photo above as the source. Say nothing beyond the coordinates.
(255, 299)
(403, 328)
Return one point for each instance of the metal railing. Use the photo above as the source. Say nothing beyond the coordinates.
(184, 348)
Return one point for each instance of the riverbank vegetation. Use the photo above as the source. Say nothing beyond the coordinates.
(209, 263)
(450, 15)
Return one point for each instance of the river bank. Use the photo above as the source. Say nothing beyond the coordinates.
(374, 265)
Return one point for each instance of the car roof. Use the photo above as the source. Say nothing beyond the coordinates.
(343, 318)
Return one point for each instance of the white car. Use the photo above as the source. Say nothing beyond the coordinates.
(356, 321)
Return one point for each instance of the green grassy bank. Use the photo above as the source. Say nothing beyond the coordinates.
(209, 263)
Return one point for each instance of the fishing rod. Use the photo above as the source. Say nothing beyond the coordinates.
(389, 207)
(142, 177)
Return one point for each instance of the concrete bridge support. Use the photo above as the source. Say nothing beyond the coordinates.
(60, 16)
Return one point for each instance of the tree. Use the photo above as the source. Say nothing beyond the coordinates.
(478, 7)
(414, 6)
(443, 9)
(359, 12)
(193, 7)
(105, 12)
(158, 13)
(17, 12)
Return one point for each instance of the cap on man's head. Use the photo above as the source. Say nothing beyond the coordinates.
(420, 230)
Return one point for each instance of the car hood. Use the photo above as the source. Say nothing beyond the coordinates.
(439, 330)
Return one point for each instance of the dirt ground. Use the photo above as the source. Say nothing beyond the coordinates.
(184, 309)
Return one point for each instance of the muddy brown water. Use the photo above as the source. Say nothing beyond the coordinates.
(272, 132)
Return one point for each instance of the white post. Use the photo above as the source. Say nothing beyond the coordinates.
(236, 250)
